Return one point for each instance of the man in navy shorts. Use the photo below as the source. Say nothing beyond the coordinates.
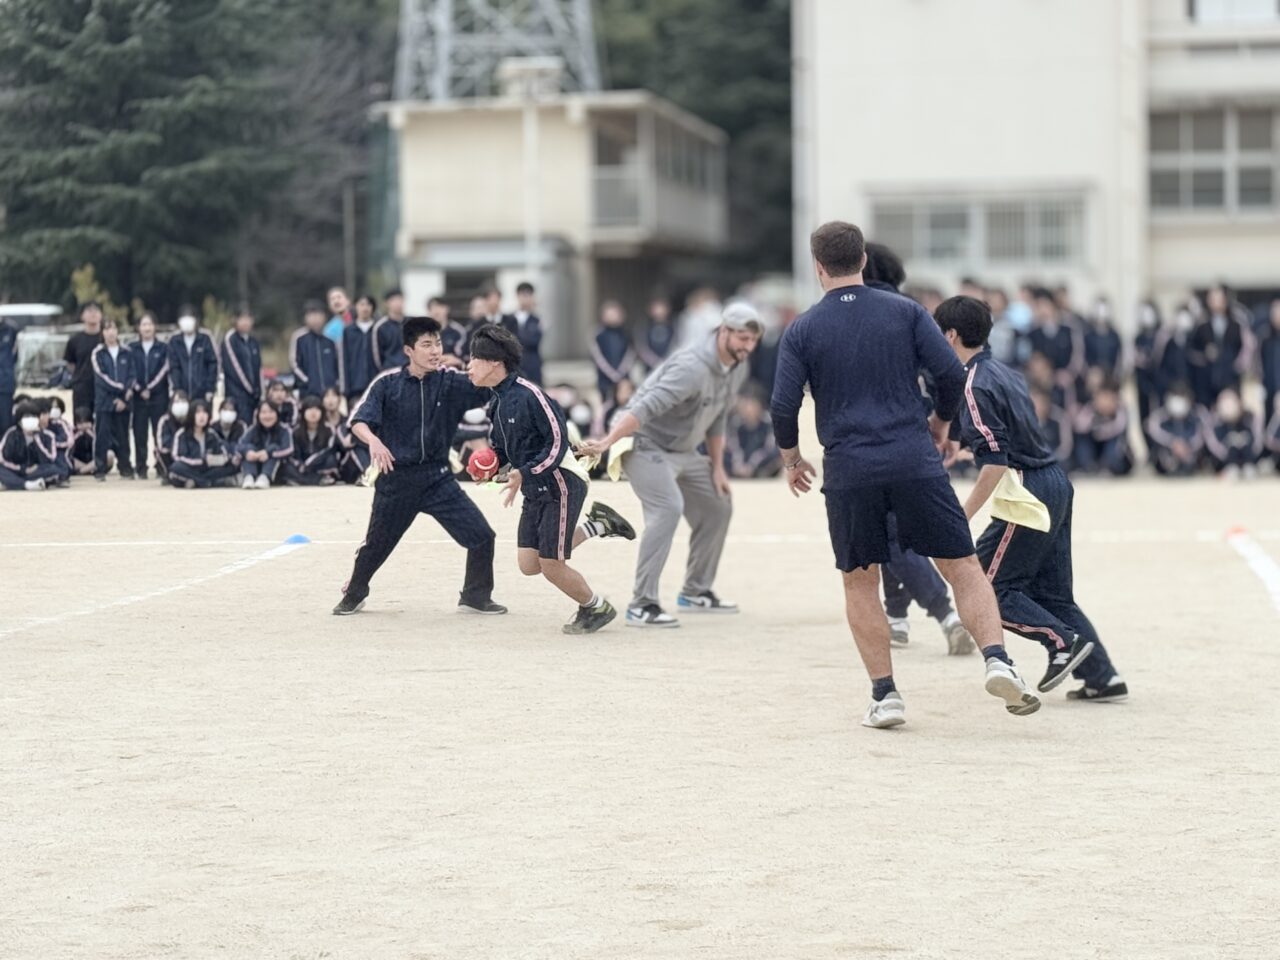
(530, 437)
(1030, 570)
(860, 351)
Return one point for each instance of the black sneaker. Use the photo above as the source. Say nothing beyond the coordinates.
(100, 477)
(1111, 693)
(488, 608)
(142, 473)
(651, 616)
(591, 619)
(348, 605)
(126, 474)
(614, 523)
(1063, 662)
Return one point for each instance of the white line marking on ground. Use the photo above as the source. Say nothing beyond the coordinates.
(1097, 536)
(280, 550)
(1259, 561)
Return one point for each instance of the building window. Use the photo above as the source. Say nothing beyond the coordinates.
(977, 232)
(1234, 11)
(1223, 160)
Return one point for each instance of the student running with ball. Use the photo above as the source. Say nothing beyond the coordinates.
(529, 435)
(859, 350)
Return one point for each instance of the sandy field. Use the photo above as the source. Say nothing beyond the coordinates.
(200, 761)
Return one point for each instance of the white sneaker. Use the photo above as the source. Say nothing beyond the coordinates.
(263, 482)
(959, 640)
(1003, 681)
(248, 483)
(34, 485)
(886, 713)
(899, 631)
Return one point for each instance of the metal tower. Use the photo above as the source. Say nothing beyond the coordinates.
(450, 49)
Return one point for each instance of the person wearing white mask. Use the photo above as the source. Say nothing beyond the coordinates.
(200, 458)
(1175, 434)
(1233, 437)
(167, 428)
(1146, 374)
(193, 359)
(63, 435)
(27, 453)
(151, 394)
(231, 429)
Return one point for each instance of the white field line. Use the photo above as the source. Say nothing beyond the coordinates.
(1259, 561)
(1097, 536)
(280, 550)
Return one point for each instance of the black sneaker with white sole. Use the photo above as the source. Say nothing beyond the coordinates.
(488, 608)
(1111, 693)
(614, 523)
(1063, 662)
(650, 616)
(705, 602)
(591, 619)
(348, 605)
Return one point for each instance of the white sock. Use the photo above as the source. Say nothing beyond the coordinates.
(590, 529)
(592, 603)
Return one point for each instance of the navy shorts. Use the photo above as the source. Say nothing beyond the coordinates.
(929, 518)
(550, 517)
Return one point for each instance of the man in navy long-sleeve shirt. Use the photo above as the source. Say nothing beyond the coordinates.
(860, 351)
(407, 418)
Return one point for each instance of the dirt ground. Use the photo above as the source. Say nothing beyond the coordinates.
(199, 761)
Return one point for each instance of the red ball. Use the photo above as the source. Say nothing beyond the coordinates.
(483, 465)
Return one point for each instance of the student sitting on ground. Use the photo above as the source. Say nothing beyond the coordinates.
(1102, 434)
(332, 403)
(28, 458)
(63, 433)
(266, 445)
(286, 409)
(82, 442)
(167, 429)
(1056, 426)
(315, 459)
(200, 457)
(751, 451)
(1233, 437)
(1175, 435)
(231, 430)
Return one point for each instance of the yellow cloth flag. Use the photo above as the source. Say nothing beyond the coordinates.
(616, 453)
(1014, 503)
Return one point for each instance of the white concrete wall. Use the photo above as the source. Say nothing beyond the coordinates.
(965, 96)
(462, 174)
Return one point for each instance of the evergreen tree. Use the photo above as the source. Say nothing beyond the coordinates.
(137, 135)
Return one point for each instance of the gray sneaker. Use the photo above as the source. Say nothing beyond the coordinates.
(591, 619)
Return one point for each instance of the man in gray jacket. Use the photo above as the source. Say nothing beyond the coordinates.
(682, 404)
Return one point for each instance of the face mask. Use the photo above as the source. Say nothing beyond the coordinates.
(1179, 407)
(1147, 316)
(228, 417)
(179, 410)
(187, 324)
(1102, 313)
(55, 414)
(30, 424)
(1019, 316)
(1185, 321)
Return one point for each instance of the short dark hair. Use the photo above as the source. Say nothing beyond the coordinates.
(110, 322)
(884, 266)
(373, 304)
(1043, 293)
(310, 402)
(27, 408)
(524, 287)
(393, 292)
(57, 402)
(415, 328)
(91, 305)
(492, 342)
(967, 316)
(314, 306)
(839, 247)
(82, 415)
(434, 300)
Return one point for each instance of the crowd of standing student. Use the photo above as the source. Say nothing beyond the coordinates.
(1190, 375)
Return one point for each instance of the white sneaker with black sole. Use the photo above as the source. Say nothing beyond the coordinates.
(651, 617)
(899, 631)
(886, 713)
(705, 602)
(1004, 681)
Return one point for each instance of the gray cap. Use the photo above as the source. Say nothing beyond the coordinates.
(740, 315)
